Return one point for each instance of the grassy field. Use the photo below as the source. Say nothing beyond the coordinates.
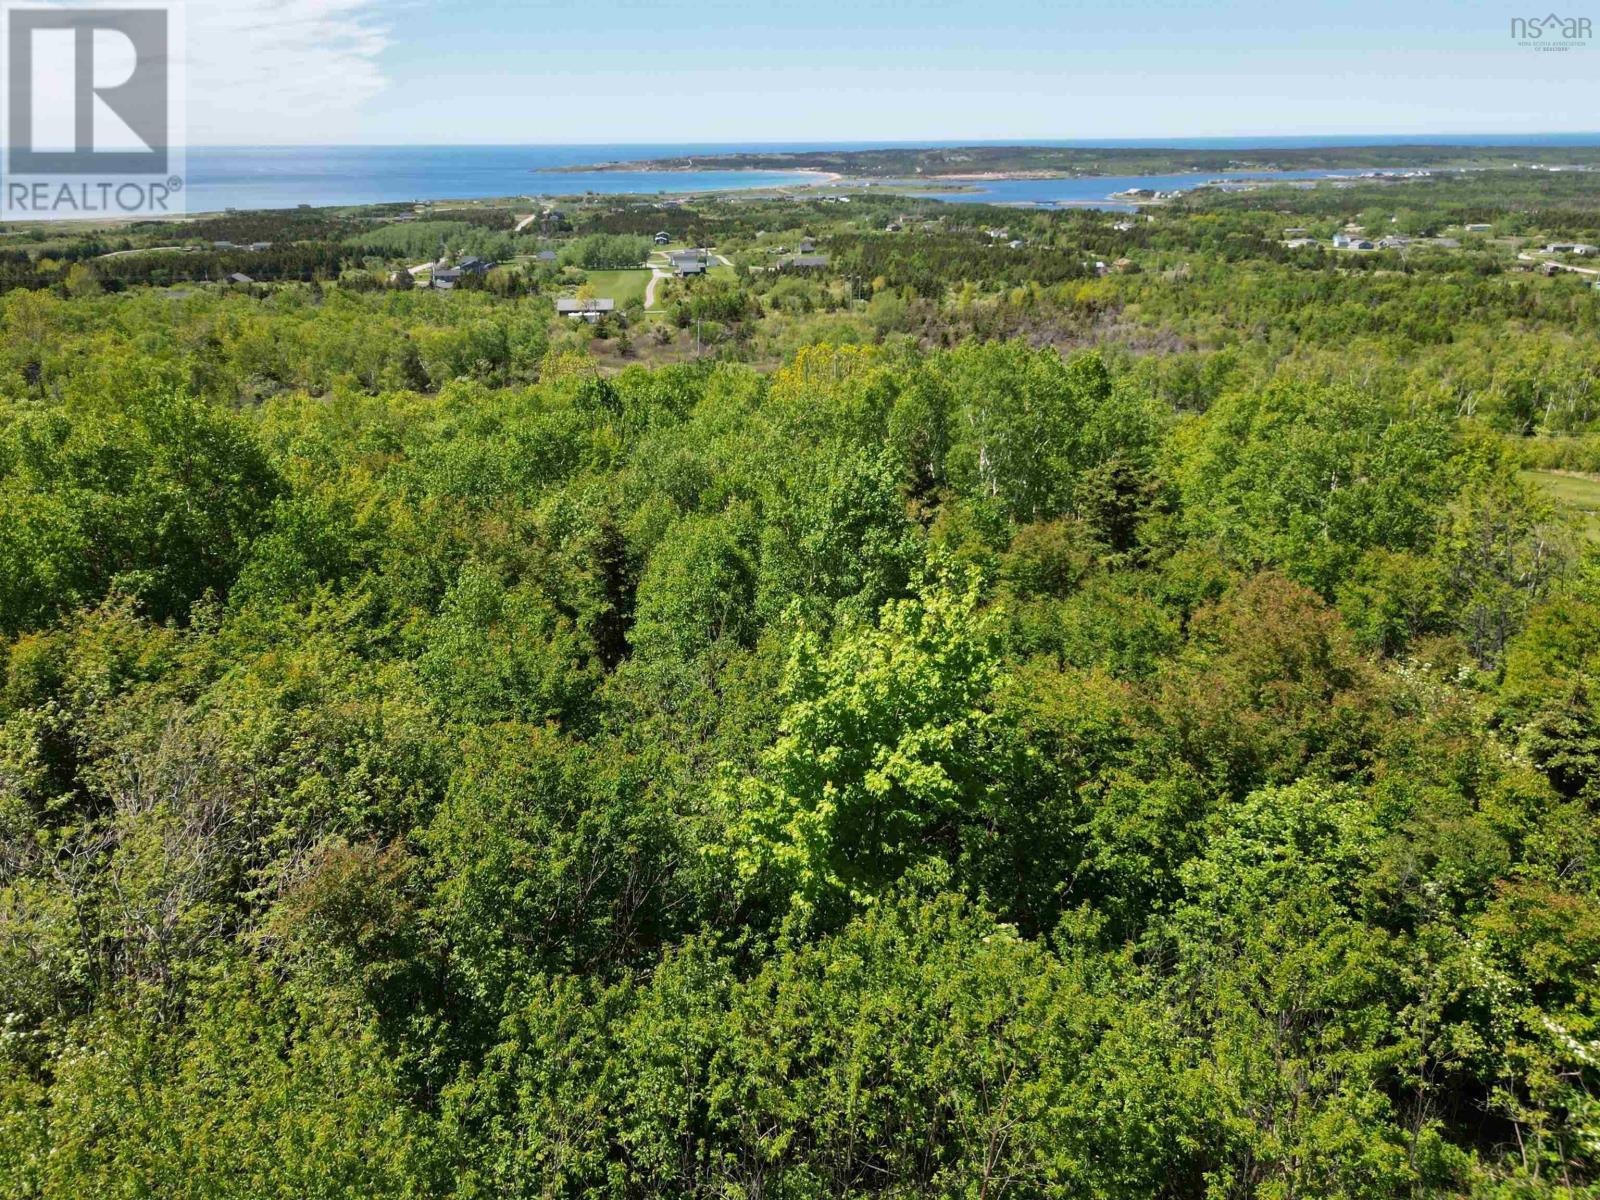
(1581, 493)
(625, 287)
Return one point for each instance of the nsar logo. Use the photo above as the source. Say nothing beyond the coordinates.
(1552, 32)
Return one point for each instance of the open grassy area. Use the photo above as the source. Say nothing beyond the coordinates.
(1578, 492)
(625, 287)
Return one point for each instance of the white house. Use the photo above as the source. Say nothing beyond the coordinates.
(584, 310)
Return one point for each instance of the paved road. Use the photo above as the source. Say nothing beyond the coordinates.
(141, 250)
(525, 222)
(1580, 270)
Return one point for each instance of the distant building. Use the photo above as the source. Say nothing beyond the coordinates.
(806, 246)
(1299, 242)
(663, 238)
(545, 256)
(240, 278)
(1571, 248)
(1478, 228)
(1289, 233)
(1016, 243)
(261, 246)
(689, 262)
(1341, 241)
(585, 310)
(444, 277)
(808, 262)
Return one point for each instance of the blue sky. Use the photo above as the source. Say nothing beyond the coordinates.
(492, 71)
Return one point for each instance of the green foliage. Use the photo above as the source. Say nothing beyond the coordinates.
(1063, 736)
(887, 755)
(604, 252)
(419, 241)
(699, 587)
(495, 655)
(260, 1093)
(1308, 478)
(160, 500)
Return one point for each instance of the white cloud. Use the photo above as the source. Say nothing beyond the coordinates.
(282, 71)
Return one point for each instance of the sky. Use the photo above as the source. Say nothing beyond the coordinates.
(598, 71)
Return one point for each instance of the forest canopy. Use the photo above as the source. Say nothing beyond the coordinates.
(1074, 734)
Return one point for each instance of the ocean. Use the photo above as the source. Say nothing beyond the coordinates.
(245, 177)
(1096, 191)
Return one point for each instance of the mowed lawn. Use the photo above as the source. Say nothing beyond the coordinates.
(625, 287)
(1580, 493)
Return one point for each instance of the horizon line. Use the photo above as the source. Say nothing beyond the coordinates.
(1156, 142)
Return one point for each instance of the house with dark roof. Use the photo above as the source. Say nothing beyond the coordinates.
(689, 262)
(444, 277)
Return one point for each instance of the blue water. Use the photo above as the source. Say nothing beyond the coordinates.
(284, 176)
(1096, 191)
(222, 177)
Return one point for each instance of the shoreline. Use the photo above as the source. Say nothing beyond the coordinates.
(804, 179)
